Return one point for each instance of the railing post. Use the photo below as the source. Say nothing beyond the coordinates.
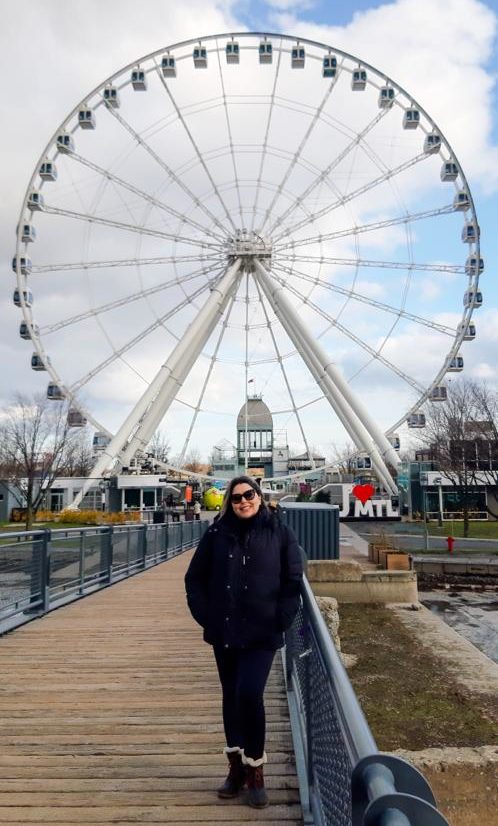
(36, 575)
(45, 570)
(82, 563)
(107, 553)
(144, 545)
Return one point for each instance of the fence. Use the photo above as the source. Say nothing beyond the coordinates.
(41, 570)
(344, 780)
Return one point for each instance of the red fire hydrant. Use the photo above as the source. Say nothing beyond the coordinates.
(451, 541)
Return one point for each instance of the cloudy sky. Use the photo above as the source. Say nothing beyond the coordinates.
(55, 53)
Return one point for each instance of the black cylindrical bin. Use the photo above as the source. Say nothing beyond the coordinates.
(316, 526)
(157, 517)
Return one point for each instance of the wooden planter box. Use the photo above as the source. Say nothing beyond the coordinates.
(375, 553)
(397, 561)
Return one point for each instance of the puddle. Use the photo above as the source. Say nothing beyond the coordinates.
(473, 614)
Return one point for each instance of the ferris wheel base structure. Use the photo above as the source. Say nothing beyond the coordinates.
(141, 424)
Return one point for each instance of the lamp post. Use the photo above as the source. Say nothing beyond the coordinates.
(103, 486)
(426, 529)
(438, 481)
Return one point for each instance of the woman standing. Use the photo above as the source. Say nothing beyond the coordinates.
(243, 588)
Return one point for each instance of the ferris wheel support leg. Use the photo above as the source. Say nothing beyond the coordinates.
(183, 358)
(318, 362)
(385, 447)
(140, 424)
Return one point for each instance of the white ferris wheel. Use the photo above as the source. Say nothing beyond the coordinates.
(248, 205)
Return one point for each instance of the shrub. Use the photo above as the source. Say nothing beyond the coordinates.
(88, 517)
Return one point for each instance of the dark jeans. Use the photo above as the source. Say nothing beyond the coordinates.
(243, 675)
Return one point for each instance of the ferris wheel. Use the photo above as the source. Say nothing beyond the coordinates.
(248, 207)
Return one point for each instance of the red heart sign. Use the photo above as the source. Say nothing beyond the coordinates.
(363, 492)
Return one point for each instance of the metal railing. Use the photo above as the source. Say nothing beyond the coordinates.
(344, 779)
(43, 569)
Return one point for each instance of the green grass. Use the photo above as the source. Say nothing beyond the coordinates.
(477, 530)
(17, 527)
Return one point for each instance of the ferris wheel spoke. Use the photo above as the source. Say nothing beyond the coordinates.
(212, 362)
(230, 139)
(170, 173)
(364, 262)
(372, 302)
(141, 230)
(129, 299)
(345, 199)
(294, 408)
(361, 228)
(315, 119)
(110, 176)
(323, 176)
(39, 269)
(364, 346)
(264, 147)
(197, 151)
(117, 354)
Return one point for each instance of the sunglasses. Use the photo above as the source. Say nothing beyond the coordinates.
(236, 498)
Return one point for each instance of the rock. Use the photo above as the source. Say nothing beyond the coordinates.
(330, 613)
(348, 660)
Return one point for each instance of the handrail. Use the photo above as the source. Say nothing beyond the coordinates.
(360, 741)
(344, 779)
(43, 569)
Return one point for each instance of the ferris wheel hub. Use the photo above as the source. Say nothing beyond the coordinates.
(248, 246)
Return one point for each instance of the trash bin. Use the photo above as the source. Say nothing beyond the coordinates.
(158, 517)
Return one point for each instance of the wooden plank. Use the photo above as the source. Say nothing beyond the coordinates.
(110, 712)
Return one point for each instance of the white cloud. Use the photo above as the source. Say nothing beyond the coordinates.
(439, 53)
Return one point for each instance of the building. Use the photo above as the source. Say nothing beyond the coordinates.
(224, 460)
(303, 462)
(255, 438)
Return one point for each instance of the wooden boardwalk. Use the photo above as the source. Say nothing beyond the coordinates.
(110, 712)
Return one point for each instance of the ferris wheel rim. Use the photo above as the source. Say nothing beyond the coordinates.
(22, 280)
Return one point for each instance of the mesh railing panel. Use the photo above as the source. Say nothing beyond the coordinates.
(127, 548)
(328, 758)
(20, 574)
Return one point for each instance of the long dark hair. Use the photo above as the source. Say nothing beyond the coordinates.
(226, 507)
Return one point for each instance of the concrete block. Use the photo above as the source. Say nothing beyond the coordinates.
(336, 570)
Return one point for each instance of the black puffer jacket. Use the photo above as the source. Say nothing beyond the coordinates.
(243, 582)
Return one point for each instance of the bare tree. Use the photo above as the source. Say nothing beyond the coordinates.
(344, 458)
(36, 446)
(461, 436)
(194, 462)
(80, 457)
(159, 446)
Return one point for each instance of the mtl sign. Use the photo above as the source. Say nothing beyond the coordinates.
(363, 506)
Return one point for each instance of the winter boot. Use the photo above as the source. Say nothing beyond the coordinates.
(256, 792)
(236, 777)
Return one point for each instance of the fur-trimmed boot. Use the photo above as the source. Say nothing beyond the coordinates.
(236, 777)
(256, 792)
